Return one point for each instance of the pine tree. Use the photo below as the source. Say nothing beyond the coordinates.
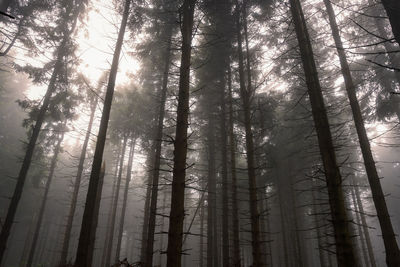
(87, 233)
(177, 214)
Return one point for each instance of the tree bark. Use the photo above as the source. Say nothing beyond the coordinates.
(246, 95)
(77, 184)
(392, 8)
(115, 203)
(389, 237)
(44, 200)
(107, 234)
(365, 225)
(12, 209)
(146, 212)
(124, 201)
(344, 250)
(236, 261)
(157, 156)
(87, 235)
(177, 213)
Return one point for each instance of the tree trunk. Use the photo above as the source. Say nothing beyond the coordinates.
(344, 250)
(235, 217)
(87, 235)
(177, 214)
(392, 8)
(146, 213)
(44, 200)
(107, 234)
(212, 250)
(389, 237)
(157, 156)
(360, 229)
(77, 184)
(321, 250)
(5, 231)
(201, 246)
(124, 201)
(115, 204)
(224, 175)
(162, 228)
(365, 225)
(246, 95)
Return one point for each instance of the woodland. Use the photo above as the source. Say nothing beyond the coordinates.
(209, 133)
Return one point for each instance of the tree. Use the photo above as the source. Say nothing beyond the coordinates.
(392, 8)
(87, 234)
(389, 237)
(177, 214)
(345, 253)
(246, 96)
(67, 235)
(68, 24)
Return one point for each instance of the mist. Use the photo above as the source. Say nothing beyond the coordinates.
(209, 133)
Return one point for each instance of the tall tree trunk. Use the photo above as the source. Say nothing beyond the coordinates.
(107, 234)
(146, 213)
(389, 237)
(177, 214)
(344, 250)
(321, 250)
(224, 175)
(236, 261)
(44, 200)
(201, 246)
(115, 203)
(77, 184)
(246, 95)
(12, 209)
(212, 250)
(365, 225)
(162, 228)
(124, 200)
(87, 235)
(360, 230)
(157, 156)
(392, 8)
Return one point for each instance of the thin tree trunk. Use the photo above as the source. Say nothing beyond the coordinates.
(87, 235)
(389, 237)
(12, 209)
(246, 95)
(344, 250)
(392, 8)
(321, 251)
(360, 229)
(146, 212)
(365, 225)
(44, 200)
(224, 175)
(177, 214)
(115, 203)
(201, 246)
(124, 201)
(157, 156)
(162, 228)
(107, 234)
(235, 217)
(212, 252)
(77, 183)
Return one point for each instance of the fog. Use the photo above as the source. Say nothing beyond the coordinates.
(204, 133)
